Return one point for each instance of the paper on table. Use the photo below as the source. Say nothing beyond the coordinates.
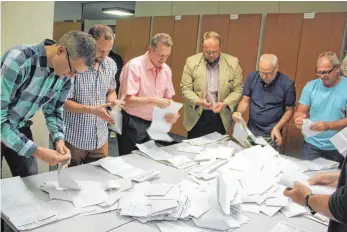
(306, 128)
(340, 141)
(184, 147)
(214, 137)
(157, 189)
(269, 210)
(285, 227)
(240, 133)
(116, 114)
(160, 127)
(166, 226)
(200, 204)
(250, 207)
(153, 151)
(227, 189)
(293, 210)
(64, 179)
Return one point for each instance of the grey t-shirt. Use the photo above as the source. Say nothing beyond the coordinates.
(338, 203)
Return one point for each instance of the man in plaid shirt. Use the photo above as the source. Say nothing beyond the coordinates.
(35, 77)
(85, 115)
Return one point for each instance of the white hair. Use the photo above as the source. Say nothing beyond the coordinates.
(271, 57)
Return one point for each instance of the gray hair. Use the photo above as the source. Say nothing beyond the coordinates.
(330, 56)
(99, 30)
(271, 57)
(163, 38)
(80, 45)
(211, 35)
(343, 67)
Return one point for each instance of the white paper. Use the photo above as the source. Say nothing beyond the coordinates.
(181, 162)
(184, 147)
(285, 227)
(157, 189)
(166, 226)
(200, 204)
(306, 128)
(240, 133)
(116, 115)
(250, 207)
(269, 210)
(64, 178)
(160, 127)
(153, 151)
(227, 189)
(293, 210)
(340, 141)
(214, 137)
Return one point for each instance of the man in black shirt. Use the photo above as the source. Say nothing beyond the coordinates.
(333, 206)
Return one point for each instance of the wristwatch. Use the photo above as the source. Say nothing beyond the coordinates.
(307, 206)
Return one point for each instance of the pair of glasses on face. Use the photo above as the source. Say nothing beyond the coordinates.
(324, 73)
(266, 73)
(74, 72)
(214, 53)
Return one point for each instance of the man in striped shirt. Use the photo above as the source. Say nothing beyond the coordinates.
(85, 115)
(35, 77)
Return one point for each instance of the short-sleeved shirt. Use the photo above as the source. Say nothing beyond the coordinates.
(268, 102)
(326, 104)
(140, 78)
(88, 131)
(28, 85)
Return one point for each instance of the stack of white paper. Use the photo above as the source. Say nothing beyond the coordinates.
(187, 148)
(22, 208)
(214, 137)
(340, 141)
(160, 127)
(306, 128)
(116, 166)
(208, 171)
(213, 152)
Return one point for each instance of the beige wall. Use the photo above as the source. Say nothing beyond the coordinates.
(165, 8)
(28, 23)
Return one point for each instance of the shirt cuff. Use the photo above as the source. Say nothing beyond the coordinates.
(57, 136)
(28, 150)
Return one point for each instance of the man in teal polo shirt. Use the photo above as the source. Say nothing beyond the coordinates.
(324, 102)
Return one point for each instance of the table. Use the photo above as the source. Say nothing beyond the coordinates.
(115, 223)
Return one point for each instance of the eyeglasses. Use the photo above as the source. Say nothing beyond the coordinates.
(68, 60)
(267, 73)
(214, 53)
(324, 73)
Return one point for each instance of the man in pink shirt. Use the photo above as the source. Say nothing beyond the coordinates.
(145, 82)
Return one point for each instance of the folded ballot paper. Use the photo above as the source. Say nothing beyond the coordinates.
(306, 128)
(214, 137)
(152, 151)
(116, 114)
(117, 166)
(340, 141)
(160, 127)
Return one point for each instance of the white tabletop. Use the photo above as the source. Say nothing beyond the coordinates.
(112, 222)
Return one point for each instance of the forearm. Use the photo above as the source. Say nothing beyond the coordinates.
(243, 106)
(320, 204)
(285, 118)
(75, 107)
(135, 102)
(337, 125)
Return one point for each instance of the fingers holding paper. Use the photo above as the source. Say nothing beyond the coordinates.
(298, 193)
(237, 116)
(319, 126)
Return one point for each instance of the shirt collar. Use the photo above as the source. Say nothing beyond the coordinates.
(43, 55)
(273, 82)
(149, 64)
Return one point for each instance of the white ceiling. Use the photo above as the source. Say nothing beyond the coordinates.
(93, 10)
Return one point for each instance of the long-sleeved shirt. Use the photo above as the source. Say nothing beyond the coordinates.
(28, 85)
(338, 203)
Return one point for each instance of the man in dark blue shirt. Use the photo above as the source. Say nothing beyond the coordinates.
(271, 97)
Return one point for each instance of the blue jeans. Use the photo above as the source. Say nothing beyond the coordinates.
(310, 152)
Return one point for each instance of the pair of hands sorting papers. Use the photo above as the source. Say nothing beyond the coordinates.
(160, 127)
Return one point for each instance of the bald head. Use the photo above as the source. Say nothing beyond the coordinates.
(268, 67)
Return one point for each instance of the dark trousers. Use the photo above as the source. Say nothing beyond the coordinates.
(310, 152)
(208, 123)
(20, 165)
(134, 131)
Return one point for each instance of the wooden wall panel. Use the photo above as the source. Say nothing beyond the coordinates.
(243, 40)
(185, 37)
(217, 23)
(282, 38)
(132, 37)
(60, 28)
(321, 34)
(164, 24)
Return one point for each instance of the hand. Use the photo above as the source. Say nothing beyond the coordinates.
(329, 179)
(237, 116)
(50, 156)
(319, 126)
(118, 103)
(204, 103)
(298, 193)
(102, 113)
(172, 118)
(298, 121)
(276, 136)
(218, 107)
(61, 148)
(162, 102)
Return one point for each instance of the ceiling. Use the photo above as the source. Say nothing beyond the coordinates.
(93, 10)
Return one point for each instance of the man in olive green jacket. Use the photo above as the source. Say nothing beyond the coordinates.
(211, 86)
